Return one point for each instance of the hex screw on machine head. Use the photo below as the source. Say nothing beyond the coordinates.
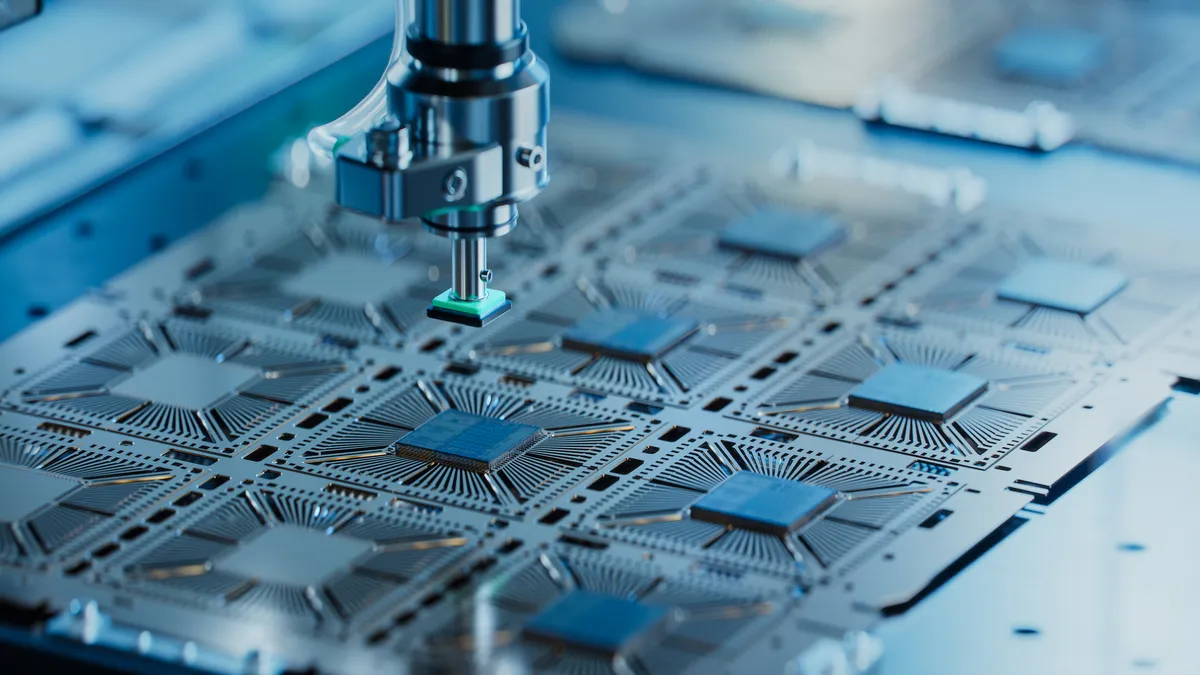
(531, 158)
(455, 185)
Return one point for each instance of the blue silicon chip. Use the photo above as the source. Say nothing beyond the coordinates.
(468, 440)
(1060, 284)
(918, 391)
(594, 622)
(627, 334)
(763, 503)
(776, 233)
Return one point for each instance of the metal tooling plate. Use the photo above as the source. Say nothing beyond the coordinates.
(973, 291)
(895, 576)
(238, 381)
(776, 48)
(1120, 68)
(882, 575)
(421, 551)
(870, 237)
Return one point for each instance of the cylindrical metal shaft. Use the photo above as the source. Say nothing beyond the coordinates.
(467, 22)
(467, 264)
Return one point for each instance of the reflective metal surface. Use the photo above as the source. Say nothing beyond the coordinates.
(467, 22)
(313, 441)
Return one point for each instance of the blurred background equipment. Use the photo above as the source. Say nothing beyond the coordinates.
(16, 11)
(1031, 73)
(92, 88)
(779, 391)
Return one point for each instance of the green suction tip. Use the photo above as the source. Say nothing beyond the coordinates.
(478, 314)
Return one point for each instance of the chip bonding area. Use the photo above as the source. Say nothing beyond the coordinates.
(294, 556)
(185, 381)
(596, 622)
(924, 392)
(788, 235)
(351, 279)
(1052, 56)
(626, 334)
(468, 441)
(1063, 285)
(753, 501)
(27, 491)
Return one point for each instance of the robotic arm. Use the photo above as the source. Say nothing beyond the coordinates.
(460, 142)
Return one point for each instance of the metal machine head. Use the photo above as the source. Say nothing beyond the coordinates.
(464, 141)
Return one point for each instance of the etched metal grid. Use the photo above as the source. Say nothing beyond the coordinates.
(1025, 390)
(362, 446)
(532, 345)
(100, 488)
(723, 556)
(704, 615)
(282, 378)
(1161, 286)
(872, 504)
(396, 551)
(885, 234)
